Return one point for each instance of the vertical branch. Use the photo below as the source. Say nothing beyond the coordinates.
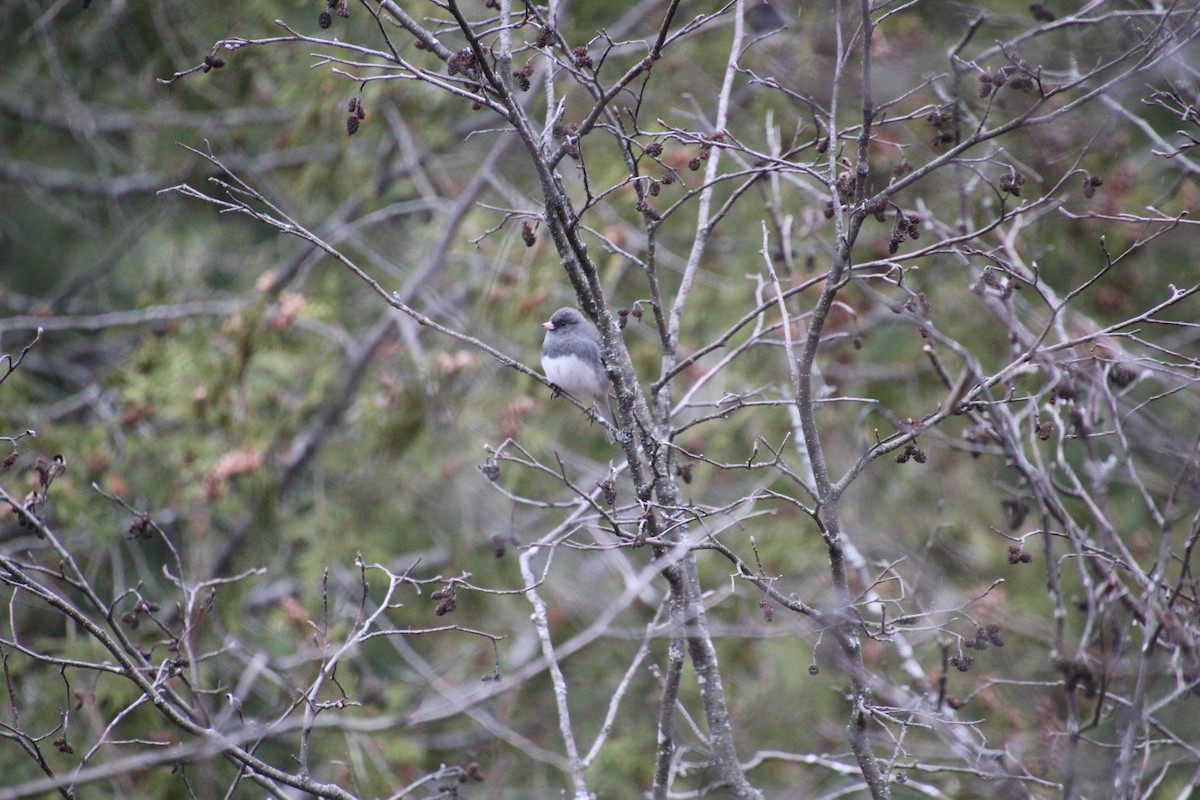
(862, 166)
(687, 609)
(828, 514)
(541, 624)
(665, 748)
(789, 347)
(687, 614)
(662, 401)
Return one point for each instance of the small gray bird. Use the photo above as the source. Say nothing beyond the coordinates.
(573, 358)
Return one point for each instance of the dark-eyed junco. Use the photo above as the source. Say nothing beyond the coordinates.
(572, 356)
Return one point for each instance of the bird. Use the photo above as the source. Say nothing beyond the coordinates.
(573, 359)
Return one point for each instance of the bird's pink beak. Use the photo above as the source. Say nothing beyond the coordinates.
(548, 326)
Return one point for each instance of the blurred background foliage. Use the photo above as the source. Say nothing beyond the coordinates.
(193, 415)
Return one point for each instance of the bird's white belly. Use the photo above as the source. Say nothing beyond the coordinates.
(574, 376)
